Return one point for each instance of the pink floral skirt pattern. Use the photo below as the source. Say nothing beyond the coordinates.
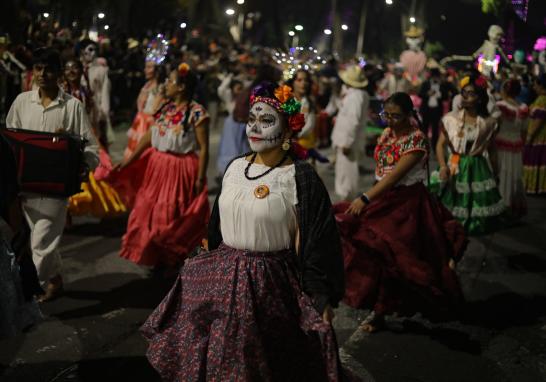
(236, 315)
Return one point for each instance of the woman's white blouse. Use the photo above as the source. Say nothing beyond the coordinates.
(254, 224)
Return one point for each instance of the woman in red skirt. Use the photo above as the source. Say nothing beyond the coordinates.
(171, 206)
(399, 244)
(258, 305)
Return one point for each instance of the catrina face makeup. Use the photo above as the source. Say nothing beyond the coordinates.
(264, 128)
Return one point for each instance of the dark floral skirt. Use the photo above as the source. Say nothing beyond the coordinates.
(236, 315)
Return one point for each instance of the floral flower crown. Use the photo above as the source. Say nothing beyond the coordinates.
(281, 100)
(183, 69)
(480, 82)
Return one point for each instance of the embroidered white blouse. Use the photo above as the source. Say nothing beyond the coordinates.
(254, 224)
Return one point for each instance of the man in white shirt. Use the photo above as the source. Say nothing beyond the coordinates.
(348, 132)
(49, 109)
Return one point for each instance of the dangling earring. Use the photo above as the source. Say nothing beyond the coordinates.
(286, 144)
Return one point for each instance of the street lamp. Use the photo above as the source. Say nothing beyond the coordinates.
(101, 15)
(240, 2)
(183, 25)
(230, 12)
(345, 27)
(327, 32)
(45, 14)
(298, 27)
(412, 20)
(291, 33)
(388, 2)
(106, 27)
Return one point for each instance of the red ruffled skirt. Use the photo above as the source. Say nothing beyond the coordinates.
(396, 254)
(141, 125)
(168, 219)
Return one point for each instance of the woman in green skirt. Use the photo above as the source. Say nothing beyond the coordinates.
(467, 181)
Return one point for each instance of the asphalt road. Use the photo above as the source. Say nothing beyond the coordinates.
(91, 333)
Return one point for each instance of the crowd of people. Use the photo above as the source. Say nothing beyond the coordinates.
(259, 274)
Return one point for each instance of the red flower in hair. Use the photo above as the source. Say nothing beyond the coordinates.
(481, 82)
(296, 122)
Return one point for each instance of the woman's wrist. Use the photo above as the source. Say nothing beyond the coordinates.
(364, 197)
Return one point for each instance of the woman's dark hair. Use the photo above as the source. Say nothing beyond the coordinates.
(48, 57)
(512, 88)
(404, 102)
(189, 80)
(481, 92)
(160, 73)
(290, 83)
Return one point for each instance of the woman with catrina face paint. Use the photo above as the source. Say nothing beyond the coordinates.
(257, 304)
(170, 162)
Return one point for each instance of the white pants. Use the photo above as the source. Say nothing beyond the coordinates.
(347, 175)
(46, 217)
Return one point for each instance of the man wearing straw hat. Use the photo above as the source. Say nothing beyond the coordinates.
(348, 132)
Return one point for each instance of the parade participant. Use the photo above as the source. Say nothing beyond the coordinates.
(49, 109)
(469, 189)
(97, 198)
(509, 144)
(258, 304)
(171, 206)
(348, 132)
(433, 92)
(302, 82)
(96, 78)
(392, 264)
(233, 141)
(534, 152)
(150, 97)
(414, 59)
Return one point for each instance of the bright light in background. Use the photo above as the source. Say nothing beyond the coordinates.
(345, 27)
(240, 2)
(298, 27)
(291, 33)
(327, 32)
(106, 27)
(101, 15)
(45, 14)
(183, 25)
(389, 2)
(412, 20)
(230, 12)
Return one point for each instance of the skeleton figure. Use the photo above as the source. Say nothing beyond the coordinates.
(414, 59)
(264, 128)
(490, 53)
(96, 77)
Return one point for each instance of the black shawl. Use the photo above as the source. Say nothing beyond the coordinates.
(320, 258)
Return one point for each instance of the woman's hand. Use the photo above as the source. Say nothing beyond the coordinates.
(199, 185)
(356, 207)
(444, 173)
(328, 314)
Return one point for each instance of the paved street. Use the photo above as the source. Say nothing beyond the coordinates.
(90, 334)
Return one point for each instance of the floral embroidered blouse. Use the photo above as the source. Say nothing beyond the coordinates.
(391, 148)
(168, 131)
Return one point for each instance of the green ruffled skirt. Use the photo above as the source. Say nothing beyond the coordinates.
(472, 196)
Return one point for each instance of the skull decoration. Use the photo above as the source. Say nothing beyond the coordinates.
(264, 128)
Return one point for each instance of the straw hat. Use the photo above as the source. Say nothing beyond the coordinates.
(354, 76)
(414, 32)
(132, 43)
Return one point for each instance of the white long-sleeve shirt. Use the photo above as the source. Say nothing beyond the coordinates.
(64, 112)
(224, 92)
(351, 119)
